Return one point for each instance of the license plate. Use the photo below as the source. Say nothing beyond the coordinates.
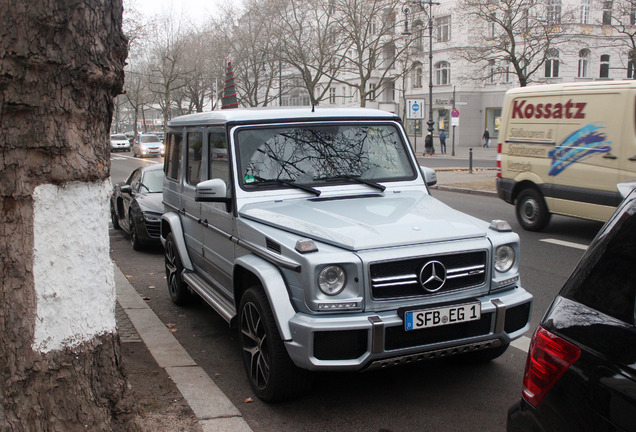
(427, 318)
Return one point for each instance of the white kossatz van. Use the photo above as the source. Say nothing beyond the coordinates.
(564, 147)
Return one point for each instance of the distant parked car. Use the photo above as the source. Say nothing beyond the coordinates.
(147, 145)
(581, 368)
(119, 142)
(136, 205)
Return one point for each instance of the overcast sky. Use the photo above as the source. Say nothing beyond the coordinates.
(196, 10)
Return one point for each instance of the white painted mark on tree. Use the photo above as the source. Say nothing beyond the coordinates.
(72, 270)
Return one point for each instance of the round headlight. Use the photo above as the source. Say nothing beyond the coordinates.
(332, 280)
(504, 258)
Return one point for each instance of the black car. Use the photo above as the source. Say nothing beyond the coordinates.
(136, 205)
(581, 368)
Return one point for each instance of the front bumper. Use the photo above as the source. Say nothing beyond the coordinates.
(372, 340)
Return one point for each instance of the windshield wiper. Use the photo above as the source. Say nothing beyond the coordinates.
(355, 179)
(291, 183)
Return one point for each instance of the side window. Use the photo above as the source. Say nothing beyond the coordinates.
(133, 181)
(194, 153)
(219, 160)
(172, 166)
(605, 279)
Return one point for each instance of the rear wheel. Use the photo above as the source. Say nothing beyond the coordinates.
(113, 218)
(532, 211)
(135, 241)
(179, 292)
(271, 373)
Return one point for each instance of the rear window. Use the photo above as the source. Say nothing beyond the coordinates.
(149, 138)
(605, 278)
(119, 137)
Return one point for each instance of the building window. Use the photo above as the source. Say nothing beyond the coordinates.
(443, 28)
(389, 91)
(491, 25)
(419, 35)
(632, 13)
(332, 95)
(607, 12)
(630, 64)
(605, 64)
(417, 76)
(552, 64)
(389, 56)
(554, 12)
(584, 63)
(442, 73)
(585, 11)
(507, 73)
(371, 95)
(492, 70)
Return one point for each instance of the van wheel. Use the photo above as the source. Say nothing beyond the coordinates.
(532, 211)
(271, 373)
(179, 292)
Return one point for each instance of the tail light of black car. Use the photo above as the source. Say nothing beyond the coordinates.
(548, 359)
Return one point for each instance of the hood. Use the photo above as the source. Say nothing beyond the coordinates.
(357, 223)
(150, 202)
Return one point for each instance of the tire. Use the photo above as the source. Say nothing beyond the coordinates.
(135, 241)
(179, 292)
(531, 210)
(271, 373)
(113, 218)
(481, 356)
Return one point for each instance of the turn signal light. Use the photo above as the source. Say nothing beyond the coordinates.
(549, 357)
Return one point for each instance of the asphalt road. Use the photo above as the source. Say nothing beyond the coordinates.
(433, 396)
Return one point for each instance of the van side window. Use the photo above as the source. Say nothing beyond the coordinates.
(194, 153)
(172, 166)
(605, 280)
(219, 161)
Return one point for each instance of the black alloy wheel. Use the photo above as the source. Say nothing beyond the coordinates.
(113, 218)
(179, 292)
(271, 373)
(135, 241)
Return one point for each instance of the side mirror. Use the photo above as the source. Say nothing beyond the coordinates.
(214, 190)
(430, 176)
(127, 189)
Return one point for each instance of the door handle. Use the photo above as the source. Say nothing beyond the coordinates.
(610, 157)
(633, 158)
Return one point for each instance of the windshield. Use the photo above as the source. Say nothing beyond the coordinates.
(119, 137)
(153, 181)
(322, 154)
(149, 138)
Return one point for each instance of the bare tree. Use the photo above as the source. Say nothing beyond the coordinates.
(61, 64)
(375, 45)
(512, 33)
(309, 44)
(620, 15)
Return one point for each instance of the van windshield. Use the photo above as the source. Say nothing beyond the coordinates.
(320, 154)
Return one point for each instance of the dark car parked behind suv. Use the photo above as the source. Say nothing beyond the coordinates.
(136, 205)
(581, 368)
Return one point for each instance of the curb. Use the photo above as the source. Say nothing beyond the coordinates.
(213, 410)
(465, 190)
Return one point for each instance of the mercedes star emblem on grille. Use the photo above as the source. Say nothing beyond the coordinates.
(433, 276)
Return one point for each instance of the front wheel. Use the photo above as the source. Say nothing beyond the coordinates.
(113, 218)
(532, 211)
(179, 292)
(135, 241)
(271, 373)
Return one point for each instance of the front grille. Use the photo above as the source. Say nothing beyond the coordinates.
(398, 279)
(153, 229)
(397, 337)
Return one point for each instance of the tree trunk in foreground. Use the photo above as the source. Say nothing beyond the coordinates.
(61, 64)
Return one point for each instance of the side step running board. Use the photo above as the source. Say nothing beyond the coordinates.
(222, 305)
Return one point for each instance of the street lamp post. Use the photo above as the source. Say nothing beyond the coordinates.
(406, 32)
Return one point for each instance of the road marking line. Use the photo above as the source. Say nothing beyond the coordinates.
(523, 343)
(565, 243)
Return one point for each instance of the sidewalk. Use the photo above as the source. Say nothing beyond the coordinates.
(159, 367)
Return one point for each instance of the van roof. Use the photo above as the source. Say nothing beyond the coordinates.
(587, 85)
(251, 115)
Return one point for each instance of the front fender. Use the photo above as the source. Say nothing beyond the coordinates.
(275, 288)
(171, 223)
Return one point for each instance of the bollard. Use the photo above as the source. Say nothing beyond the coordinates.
(470, 161)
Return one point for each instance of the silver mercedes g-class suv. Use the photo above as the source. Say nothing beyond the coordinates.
(314, 233)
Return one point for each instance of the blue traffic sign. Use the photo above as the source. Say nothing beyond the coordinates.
(415, 107)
